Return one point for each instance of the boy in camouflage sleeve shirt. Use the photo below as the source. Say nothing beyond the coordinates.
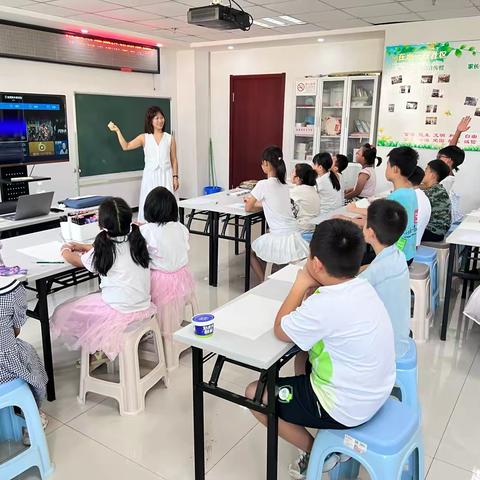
(441, 216)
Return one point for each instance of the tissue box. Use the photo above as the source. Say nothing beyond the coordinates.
(79, 233)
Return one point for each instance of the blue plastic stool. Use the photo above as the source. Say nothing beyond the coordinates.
(383, 445)
(407, 376)
(17, 393)
(428, 256)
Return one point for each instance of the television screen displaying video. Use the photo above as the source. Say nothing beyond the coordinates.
(33, 129)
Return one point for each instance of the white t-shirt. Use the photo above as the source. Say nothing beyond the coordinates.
(371, 184)
(448, 183)
(126, 287)
(349, 336)
(167, 244)
(424, 212)
(306, 206)
(275, 198)
(330, 199)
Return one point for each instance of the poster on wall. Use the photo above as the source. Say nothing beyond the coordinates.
(426, 90)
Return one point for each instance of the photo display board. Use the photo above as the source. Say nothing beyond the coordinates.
(426, 89)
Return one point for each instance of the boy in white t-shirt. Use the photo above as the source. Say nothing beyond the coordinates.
(350, 368)
(424, 207)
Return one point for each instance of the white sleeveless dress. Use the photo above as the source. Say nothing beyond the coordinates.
(158, 168)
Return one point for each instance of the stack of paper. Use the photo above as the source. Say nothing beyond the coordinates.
(46, 252)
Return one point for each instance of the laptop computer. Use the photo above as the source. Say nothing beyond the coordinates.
(30, 206)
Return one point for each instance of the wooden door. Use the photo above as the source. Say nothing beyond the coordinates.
(256, 121)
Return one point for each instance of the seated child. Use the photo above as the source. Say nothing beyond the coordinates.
(340, 163)
(366, 181)
(283, 243)
(172, 285)
(441, 217)
(304, 197)
(328, 183)
(120, 256)
(348, 335)
(388, 272)
(424, 207)
(18, 359)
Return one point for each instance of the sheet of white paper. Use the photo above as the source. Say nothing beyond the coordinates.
(46, 252)
(363, 203)
(287, 274)
(249, 317)
(239, 206)
(475, 213)
(201, 200)
(469, 226)
(238, 193)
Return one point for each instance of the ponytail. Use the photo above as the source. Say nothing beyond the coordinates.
(104, 253)
(325, 161)
(306, 174)
(274, 156)
(370, 155)
(115, 220)
(334, 181)
(138, 247)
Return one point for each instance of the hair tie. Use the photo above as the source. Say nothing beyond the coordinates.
(105, 230)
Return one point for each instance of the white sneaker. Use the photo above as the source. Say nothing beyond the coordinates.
(26, 437)
(344, 457)
(330, 462)
(298, 468)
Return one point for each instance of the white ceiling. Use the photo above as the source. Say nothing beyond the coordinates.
(165, 20)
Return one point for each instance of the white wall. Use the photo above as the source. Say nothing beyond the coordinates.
(296, 61)
(442, 30)
(38, 77)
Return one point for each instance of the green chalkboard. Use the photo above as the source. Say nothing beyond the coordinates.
(98, 149)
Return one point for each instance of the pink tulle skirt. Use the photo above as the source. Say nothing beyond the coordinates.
(170, 292)
(90, 323)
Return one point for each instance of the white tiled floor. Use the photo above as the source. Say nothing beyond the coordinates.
(92, 441)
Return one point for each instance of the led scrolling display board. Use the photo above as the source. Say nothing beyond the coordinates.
(48, 45)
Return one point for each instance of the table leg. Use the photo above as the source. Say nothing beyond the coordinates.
(198, 421)
(236, 236)
(181, 215)
(272, 424)
(448, 291)
(248, 250)
(213, 248)
(264, 226)
(42, 308)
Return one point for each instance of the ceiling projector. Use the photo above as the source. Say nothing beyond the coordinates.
(220, 17)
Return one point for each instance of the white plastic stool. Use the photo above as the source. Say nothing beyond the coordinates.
(422, 314)
(443, 250)
(131, 390)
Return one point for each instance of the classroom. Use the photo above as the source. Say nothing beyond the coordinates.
(239, 239)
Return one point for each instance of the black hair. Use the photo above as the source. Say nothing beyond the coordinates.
(274, 156)
(405, 159)
(149, 115)
(324, 159)
(441, 169)
(342, 162)
(454, 153)
(115, 220)
(160, 206)
(388, 219)
(370, 155)
(340, 246)
(416, 178)
(306, 174)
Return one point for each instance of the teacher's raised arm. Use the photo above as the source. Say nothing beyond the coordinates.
(137, 142)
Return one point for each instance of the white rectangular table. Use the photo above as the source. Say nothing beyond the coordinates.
(264, 354)
(41, 278)
(466, 234)
(228, 205)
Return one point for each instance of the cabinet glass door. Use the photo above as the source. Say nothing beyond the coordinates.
(332, 115)
(304, 127)
(360, 118)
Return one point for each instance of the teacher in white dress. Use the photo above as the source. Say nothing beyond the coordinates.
(161, 165)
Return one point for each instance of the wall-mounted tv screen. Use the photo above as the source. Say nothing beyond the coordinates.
(33, 129)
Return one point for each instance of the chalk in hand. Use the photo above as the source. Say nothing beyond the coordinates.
(111, 126)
